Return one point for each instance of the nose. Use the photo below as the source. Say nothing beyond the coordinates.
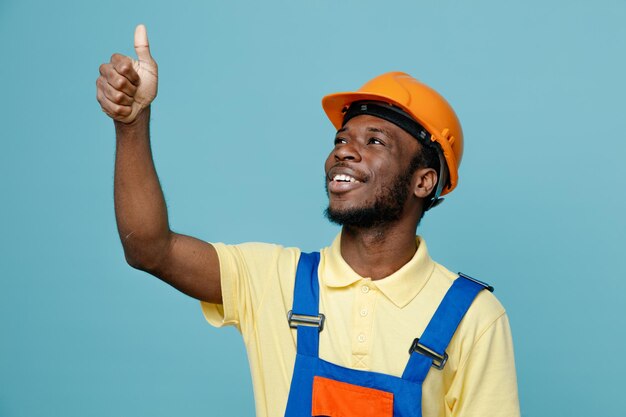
(347, 152)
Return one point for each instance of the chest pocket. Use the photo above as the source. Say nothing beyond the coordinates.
(340, 399)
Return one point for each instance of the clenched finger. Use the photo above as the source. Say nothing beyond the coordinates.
(115, 96)
(117, 81)
(115, 111)
(124, 66)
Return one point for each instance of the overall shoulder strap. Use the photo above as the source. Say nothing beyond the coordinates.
(430, 349)
(305, 315)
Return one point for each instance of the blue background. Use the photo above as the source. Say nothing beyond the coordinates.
(239, 139)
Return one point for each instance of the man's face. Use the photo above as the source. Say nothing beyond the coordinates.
(368, 173)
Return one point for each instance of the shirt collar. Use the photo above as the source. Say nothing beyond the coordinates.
(400, 287)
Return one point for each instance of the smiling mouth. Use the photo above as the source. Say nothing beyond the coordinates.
(342, 183)
(344, 178)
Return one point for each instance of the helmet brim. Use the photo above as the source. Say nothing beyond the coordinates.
(334, 105)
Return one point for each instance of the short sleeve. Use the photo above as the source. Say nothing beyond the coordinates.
(246, 272)
(486, 383)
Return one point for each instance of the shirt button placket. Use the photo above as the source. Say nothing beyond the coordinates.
(364, 302)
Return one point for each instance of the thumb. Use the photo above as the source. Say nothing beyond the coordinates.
(142, 47)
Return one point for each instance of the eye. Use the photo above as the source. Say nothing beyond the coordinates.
(375, 141)
(340, 140)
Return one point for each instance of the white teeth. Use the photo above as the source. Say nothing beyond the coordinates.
(344, 178)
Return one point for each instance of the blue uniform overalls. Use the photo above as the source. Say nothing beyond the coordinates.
(320, 388)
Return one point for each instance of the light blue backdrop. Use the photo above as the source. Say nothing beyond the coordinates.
(239, 139)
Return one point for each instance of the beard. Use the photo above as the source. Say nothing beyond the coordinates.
(385, 209)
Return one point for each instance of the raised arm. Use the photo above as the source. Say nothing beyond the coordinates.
(125, 89)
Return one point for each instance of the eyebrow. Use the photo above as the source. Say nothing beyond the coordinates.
(379, 130)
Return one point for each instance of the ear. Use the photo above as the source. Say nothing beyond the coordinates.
(424, 182)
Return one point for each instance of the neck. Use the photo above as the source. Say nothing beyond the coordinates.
(378, 252)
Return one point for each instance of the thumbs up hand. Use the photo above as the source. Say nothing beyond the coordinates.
(127, 86)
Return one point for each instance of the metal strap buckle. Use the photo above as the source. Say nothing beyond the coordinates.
(296, 320)
(438, 361)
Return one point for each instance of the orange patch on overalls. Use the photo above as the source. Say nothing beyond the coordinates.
(339, 399)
